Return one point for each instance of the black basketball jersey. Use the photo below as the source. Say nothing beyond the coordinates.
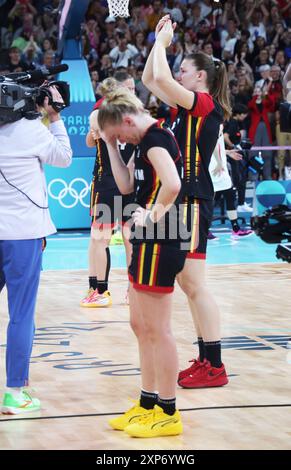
(147, 183)
(196, 131)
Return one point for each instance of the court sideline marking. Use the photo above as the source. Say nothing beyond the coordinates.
(230, 407)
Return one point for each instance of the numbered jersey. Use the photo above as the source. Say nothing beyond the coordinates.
(146, 181)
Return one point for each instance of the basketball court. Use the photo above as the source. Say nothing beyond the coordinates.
(84, 365)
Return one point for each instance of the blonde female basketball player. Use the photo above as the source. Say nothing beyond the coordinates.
(156, 257)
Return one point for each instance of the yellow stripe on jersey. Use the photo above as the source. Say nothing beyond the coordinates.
(100, 167)
(188, 148)
(153, 263)
(153, 195)
(95, 205)
(141, 264)
(92, 195)
(185, 210)
(195, 231)
(197, 156)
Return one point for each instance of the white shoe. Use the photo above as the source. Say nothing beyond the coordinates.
(244, 208)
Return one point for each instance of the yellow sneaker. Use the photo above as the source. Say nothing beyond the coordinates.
(129, 417)
(156, 424)
(87, 297)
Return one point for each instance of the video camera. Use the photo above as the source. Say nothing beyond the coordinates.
(18, 100)
(254, 163)
(274, 226)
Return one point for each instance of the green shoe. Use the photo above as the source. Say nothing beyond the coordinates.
(116, 238)
(24, 403)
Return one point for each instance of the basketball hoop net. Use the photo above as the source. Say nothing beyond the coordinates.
(118, 8)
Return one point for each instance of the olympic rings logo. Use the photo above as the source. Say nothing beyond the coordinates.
(72, 192)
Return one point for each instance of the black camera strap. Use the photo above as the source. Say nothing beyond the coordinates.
(22, 192)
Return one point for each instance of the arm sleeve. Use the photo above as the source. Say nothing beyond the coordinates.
(54, 145)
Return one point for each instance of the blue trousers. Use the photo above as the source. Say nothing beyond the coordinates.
(20, 266)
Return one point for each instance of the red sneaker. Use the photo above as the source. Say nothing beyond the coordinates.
(186, 372)
(205, 376)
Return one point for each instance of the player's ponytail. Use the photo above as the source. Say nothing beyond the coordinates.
(116, 104)
(217, 81)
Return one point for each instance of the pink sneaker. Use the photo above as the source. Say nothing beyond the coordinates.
(97, 300)
(87, 297)
(242, 233)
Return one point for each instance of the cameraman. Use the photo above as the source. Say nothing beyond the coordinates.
(24, 222)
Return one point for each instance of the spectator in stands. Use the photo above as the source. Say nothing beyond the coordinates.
(265, 76)
(189, 42)
(140, 44)
(137, 21)
(18, 12)
(260, 130)
(193, 17)
(272, 52)
(233, 88)
(231, 71)
(95, 82)
(229, 13)
(49, 26)
(261, 59)
(124, 53)
(15, 64)
(48, 44)
(49, 59)
(207, 48)
(206, 8)
(276, 88)
(229, 37)
(258, 19)
(105, 69)
(232, 136)
(173, 8)
(154, 17)
(93, 33)
(280, 59)
(32, 54)
(141, 90)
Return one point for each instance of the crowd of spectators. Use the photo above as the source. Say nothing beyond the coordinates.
(252, 37)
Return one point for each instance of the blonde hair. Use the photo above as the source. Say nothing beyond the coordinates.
(107, 86)
(115, 105)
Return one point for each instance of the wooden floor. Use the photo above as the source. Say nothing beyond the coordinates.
(85, 362)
